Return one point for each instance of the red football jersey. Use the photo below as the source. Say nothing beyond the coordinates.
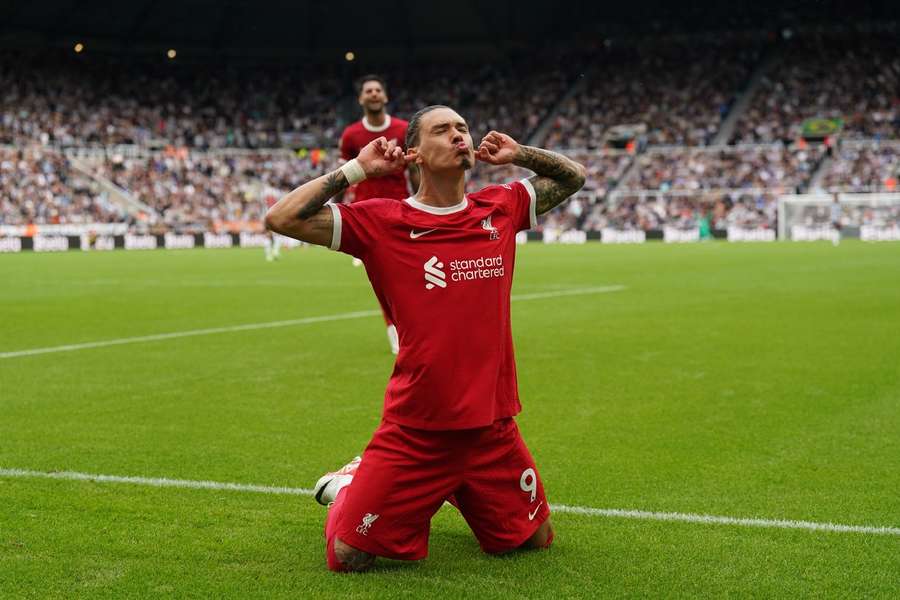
(444, 275)
(355, 138)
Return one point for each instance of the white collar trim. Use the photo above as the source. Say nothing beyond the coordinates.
(438, 210)
(376, 129)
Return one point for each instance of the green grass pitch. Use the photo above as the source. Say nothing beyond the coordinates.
(758, 381)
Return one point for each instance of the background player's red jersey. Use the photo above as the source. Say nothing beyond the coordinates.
(444, 275)
(355, 138)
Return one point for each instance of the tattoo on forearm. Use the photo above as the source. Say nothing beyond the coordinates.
(333, 184)
(557, 177)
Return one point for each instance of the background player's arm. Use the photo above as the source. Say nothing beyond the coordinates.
(302, 215)
(558, 177)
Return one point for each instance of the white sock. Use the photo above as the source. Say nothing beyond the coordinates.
(276, 247)
(268, 248)
(393, 338)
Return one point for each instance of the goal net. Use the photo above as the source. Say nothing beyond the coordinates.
(810, 217)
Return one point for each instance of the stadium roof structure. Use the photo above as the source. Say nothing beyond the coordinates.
(301, 29)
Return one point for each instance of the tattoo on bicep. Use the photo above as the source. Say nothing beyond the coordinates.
(321, 222)
(557, 177)
(334, 183)
(549, 193)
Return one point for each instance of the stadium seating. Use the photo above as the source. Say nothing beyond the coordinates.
(864, 167)
(197, 191)
(204, 148)
(39, 186)
(68, 100)
(772, 167)
(681, 92)
(654, 210)
(853, 79)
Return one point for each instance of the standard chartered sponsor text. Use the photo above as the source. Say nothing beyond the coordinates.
(485, 267)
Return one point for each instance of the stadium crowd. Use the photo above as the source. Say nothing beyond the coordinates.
(857, 81)
(605, 169)
(500, 95)
(864, 168)
(771, 167)
(680, 92)
(656, 210)
(38, 186)
(222, 128)
(69, 100)
(851, 216)
(197, 190)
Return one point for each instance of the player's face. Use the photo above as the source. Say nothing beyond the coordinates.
(372, 97)
(445, 142)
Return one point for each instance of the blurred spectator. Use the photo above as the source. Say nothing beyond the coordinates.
(856, 79)
(760, 167)
(64, 100)
(228, 124)
(512, 95)
(864, 168)
(200, 191)
(38, 186)
(604, 170)
(655, 210)
(68, 100)
(681, 91)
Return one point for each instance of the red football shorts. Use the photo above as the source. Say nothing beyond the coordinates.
(406, 475)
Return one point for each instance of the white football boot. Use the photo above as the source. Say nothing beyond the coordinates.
(329, 484)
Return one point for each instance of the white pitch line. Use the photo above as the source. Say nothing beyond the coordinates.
(719, 520)
(193, 332)
(157, 482)
(271, 324)
(558, 508)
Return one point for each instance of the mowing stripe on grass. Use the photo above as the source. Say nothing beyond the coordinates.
(558, 508)
(272, 324)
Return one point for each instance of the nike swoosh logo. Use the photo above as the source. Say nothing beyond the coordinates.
(532, 515)
(417, 234)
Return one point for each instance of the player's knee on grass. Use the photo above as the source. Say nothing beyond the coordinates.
(542, 538)
(349, 558)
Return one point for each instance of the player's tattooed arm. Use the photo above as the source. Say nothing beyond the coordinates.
(335, 182)
(558, 177)
(301, 213)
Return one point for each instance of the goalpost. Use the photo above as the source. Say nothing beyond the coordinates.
(870, 217)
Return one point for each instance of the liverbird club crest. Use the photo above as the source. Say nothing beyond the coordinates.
(486, 225)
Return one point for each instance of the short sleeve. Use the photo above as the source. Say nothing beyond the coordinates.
(524, 205)
(348, 152)
(353, 228)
